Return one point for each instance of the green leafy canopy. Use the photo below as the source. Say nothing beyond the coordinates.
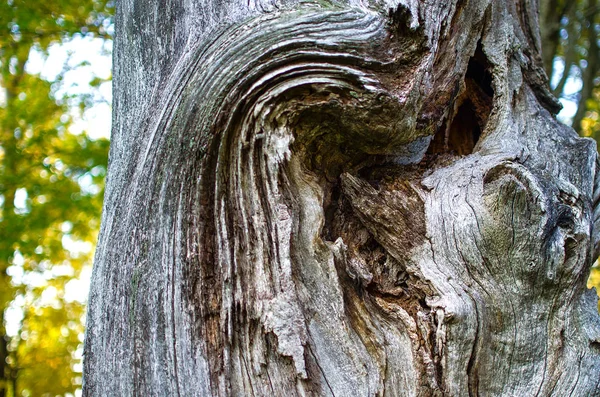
(51, 188)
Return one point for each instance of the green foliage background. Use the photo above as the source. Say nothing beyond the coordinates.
(51, 180)
(56, 177)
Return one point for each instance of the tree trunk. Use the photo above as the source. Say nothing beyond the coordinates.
(361, 199)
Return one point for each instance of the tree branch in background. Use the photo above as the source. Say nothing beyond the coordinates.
(570, 53)
(591, 70)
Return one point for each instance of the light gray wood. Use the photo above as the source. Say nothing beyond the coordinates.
(320, 198)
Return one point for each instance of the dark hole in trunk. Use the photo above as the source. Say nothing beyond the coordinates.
(464, 130)
(473, 110)
(478, 70)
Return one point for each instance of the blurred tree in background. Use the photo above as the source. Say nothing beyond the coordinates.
(51, 178)
(50, 197)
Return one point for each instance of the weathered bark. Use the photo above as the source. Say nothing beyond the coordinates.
(349, 199)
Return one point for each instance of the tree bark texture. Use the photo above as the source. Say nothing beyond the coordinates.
(323, 198)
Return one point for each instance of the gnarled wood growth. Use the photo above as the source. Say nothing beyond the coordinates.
(348, 199)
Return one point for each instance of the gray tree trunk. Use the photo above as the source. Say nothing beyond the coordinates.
(320, 198)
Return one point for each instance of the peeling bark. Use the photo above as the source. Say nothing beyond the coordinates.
(347, 199)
